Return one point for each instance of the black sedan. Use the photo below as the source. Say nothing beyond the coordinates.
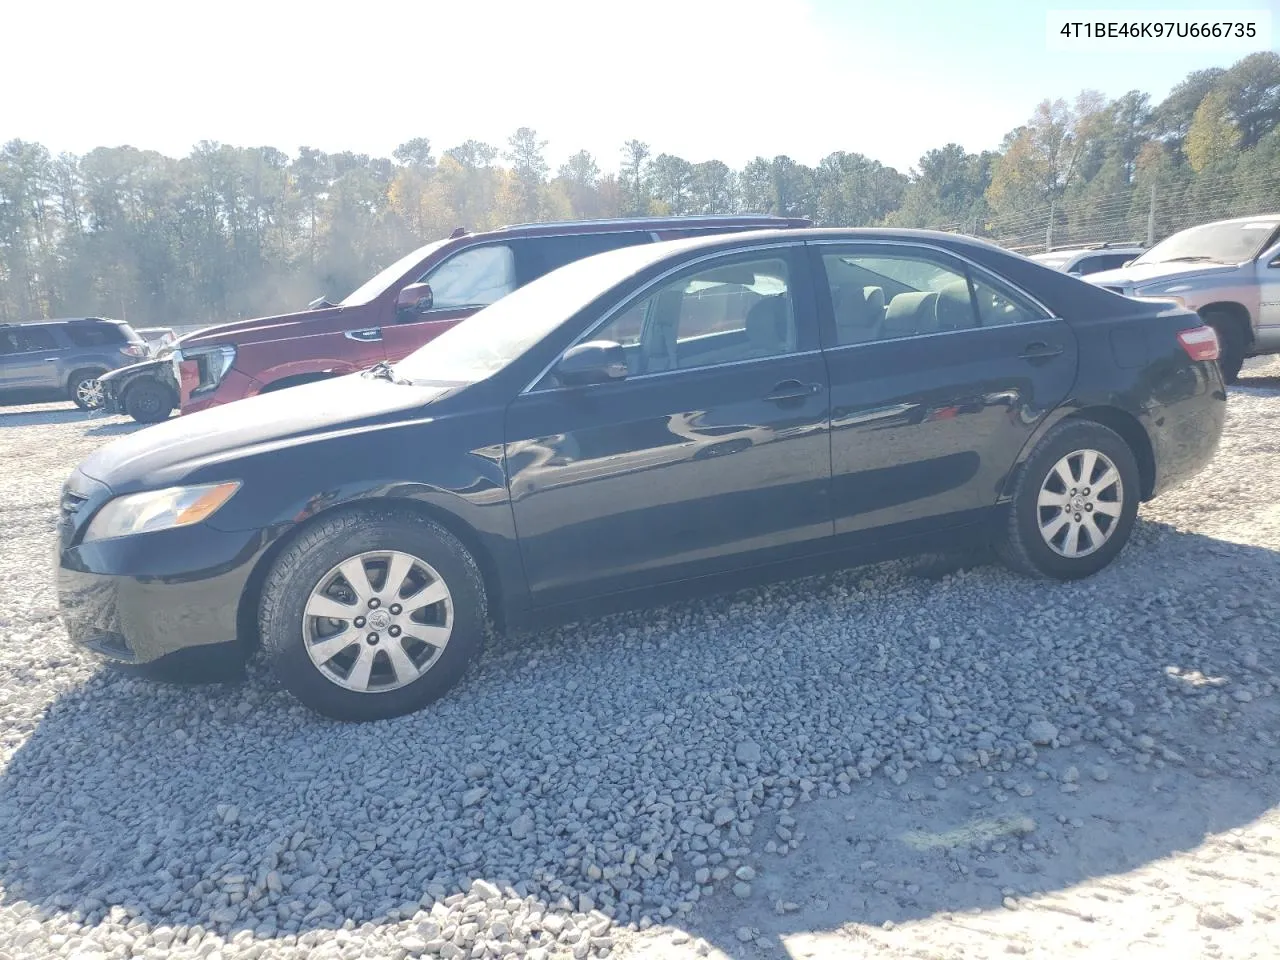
(654, 415)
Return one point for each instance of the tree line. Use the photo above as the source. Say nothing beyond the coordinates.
(229, 232)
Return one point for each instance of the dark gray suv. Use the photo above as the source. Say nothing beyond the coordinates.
(62, 359)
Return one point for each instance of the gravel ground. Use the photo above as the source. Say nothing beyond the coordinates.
(912, 759)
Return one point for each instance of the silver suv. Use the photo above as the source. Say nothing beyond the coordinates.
(1228, 272)
(1082, 261)
(63, 359)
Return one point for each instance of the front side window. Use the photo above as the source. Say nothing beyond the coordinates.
(722, 314)
(886, 296)
(475, 277)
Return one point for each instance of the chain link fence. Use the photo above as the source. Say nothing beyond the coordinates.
(1141, 215)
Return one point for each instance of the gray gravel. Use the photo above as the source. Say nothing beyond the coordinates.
(588, 782)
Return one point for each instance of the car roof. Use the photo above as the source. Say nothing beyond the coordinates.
(627, 224)
(54, 321)
(1260, 218)
(1075, 251)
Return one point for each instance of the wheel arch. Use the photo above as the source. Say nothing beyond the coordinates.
(97, 369)
(1133, 433)
(247, 636)
(295, 380)
(1236, 313)
(1115, 418)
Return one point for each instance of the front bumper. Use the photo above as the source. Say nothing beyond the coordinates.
(115, 383)
(233, 386)
(144, 598)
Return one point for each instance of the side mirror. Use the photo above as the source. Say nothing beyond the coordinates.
(598, 361)
(414, 300)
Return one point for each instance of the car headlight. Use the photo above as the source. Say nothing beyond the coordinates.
(159, 509)
(212, 364)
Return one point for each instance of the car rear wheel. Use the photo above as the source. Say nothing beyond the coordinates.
(85, 390)
(1074, 503)
(372, 614)
(148, 402)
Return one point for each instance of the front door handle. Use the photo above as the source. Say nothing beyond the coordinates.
(792, 390)
(50, 359)
(1040, 350)
(367, 335)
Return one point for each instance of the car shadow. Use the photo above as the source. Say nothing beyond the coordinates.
(115, 428)
(36, 416)
(122, 780)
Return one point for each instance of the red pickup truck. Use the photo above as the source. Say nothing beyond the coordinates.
(405, 305)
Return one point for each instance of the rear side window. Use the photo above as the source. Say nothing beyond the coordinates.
(999, 306)
(94, 334)
(893, 294)
(544, 254)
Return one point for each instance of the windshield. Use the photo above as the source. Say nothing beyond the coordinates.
(372, 288)
(1213, 243)
(499, 334)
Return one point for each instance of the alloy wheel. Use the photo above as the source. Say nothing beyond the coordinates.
(89, 393)
(1080, 503)
(377, 621)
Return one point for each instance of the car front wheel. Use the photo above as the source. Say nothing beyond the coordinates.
(372, 614)
(148, 402)
(1074, 503)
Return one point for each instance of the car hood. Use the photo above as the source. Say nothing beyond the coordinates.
(164, 454)
(119, 373)
(252, 331)
(1142, 273)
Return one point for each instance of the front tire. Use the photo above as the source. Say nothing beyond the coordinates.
(148, 402)
(1074, 503)
(1231, 345)
(372, 613)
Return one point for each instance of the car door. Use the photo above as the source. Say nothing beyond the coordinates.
(33, 364)
(939, 373)
(712, 450)
(1269, 298)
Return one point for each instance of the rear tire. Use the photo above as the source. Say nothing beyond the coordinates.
(84, 390)
(1231, 344)
(369, 656)
(148, 402)
(1074, 503)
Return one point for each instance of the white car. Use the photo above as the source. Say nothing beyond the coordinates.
(1080, 261)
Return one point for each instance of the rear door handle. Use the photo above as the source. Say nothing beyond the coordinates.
(793, 390)
(1040, 350)
(50, 359)
(368, 335)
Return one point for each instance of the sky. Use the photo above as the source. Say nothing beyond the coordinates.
(703, 79)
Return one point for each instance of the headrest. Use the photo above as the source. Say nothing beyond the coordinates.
(910, 314)
(955, 309)
(767, 323)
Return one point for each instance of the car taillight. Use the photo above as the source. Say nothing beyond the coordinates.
(1201, 343)
(134, 350)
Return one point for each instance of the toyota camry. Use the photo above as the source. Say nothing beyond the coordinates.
(646, 417)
